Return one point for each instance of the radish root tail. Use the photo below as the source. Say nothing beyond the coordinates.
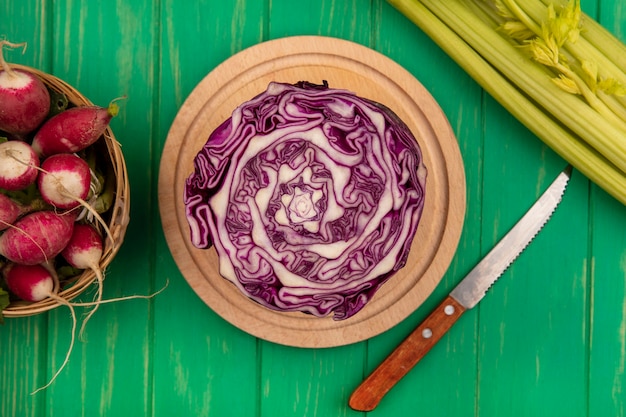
(128, 297)
(3, 63)
(96, 303)
(71, 306)
(62, 301)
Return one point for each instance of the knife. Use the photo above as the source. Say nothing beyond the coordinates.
(463, 297)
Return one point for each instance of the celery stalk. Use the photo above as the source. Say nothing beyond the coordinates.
(509, 60)
(562, 121)
(522, 16)
(578, 53)
(608, 60)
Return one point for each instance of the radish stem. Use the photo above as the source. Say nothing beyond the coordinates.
(96, 302)
(3, 63)
(66, 193)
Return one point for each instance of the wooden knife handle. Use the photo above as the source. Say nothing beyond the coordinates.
(367, 395)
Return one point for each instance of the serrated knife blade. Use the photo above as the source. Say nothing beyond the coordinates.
(463, 297)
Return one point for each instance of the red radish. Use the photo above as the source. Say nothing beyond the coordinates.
(9, 211)
(73, 129)
(29, 282)
(84, 251)
(18, 165)
(85, 247)
(64, 180)
(24, 99)
(37, 237)
(35, 283)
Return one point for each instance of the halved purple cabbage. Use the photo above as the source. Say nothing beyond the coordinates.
(311, 197)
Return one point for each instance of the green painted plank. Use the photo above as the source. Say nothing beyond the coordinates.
(351, 19)
(205, 368)
(607, 356)
(311, 382)
(102, 50)
(23, 341)
(444, 379)
(203, 365)
(195, 39)
(533, 322)
(612, 15)
(533, 354)
(28, 22)
(607, 376)
(559, 354)
(23, 364)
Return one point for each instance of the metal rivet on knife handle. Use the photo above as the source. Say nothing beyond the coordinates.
(367, 396)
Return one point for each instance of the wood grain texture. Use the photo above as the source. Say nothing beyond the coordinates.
(551, 277)
(455, 355)
(607, 297)
(208, 368)
(123, 38)
(549, 338)
(329, 375)
(349, 66)
(406, 355)
(24, 341)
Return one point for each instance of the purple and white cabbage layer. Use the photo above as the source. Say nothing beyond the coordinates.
(311, 197)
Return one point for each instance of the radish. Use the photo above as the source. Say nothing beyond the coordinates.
(73, 130)
(84, 251)
(35, 283)
(24, 99)
(29, 282)
(64, 180)
(37, 237)
(18, 165)
(9, 211)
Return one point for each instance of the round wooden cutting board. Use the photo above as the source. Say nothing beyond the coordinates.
(344, 65)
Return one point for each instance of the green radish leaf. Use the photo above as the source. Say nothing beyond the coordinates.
(58, 102)
(67, 272)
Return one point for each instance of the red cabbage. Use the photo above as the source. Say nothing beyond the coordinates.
(311, 196)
